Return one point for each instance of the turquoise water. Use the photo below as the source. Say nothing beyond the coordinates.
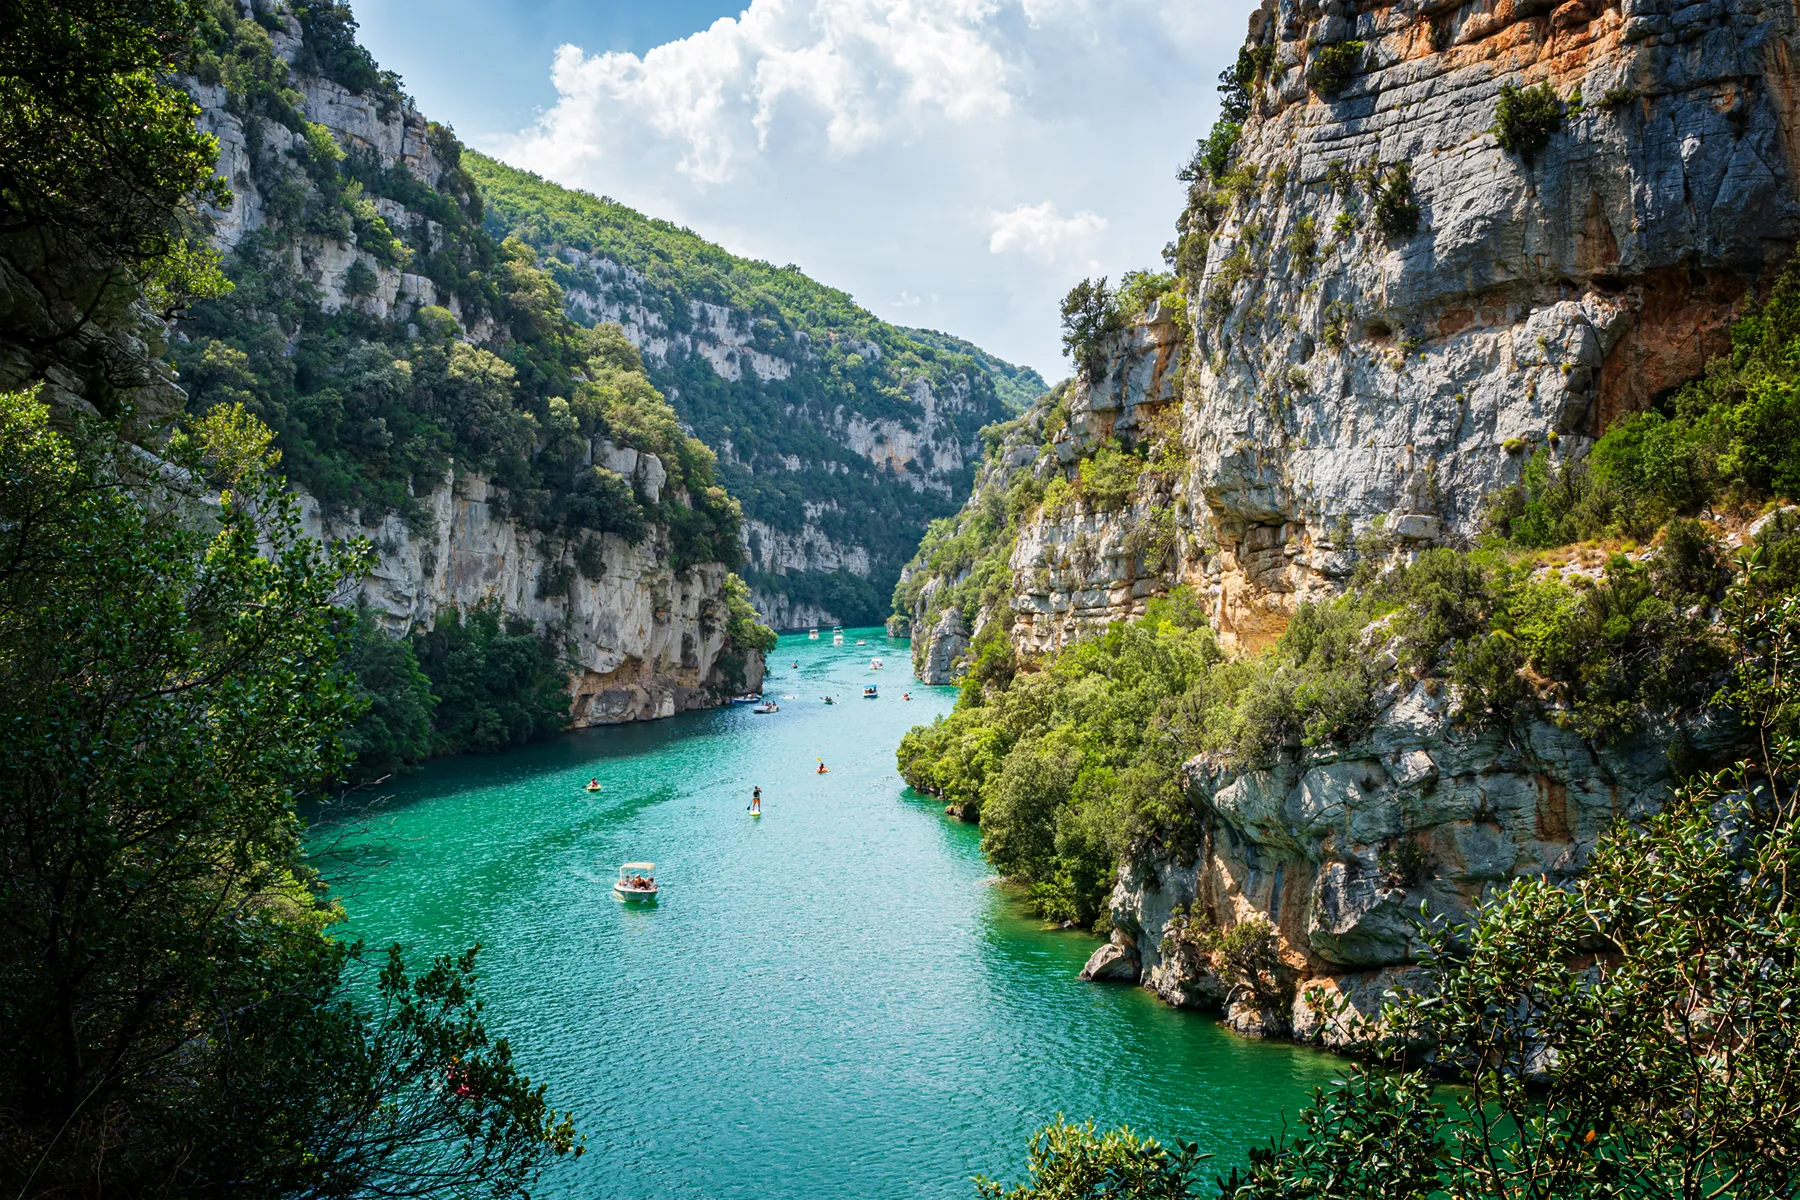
(833, 1000)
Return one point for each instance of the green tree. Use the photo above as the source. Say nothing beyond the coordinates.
(101, 172)
(394, 730)
(1090, 320)
(1072, 1162)
(498, 684)
(174, 1019)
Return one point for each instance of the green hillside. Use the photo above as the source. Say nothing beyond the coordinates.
(785, 438)
(1018, 386)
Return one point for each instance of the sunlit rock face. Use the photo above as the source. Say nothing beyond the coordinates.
(1344, 379)
(1344, 376)
(1341, 849)
(640, 639)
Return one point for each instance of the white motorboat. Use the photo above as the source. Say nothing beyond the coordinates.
(636, 881)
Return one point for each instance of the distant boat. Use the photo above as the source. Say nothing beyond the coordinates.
(812, 635)
(767, 706)
(636, 881)
(874, 664)
(837, 639)
(747, 698)
(860, 642)
(869, 693)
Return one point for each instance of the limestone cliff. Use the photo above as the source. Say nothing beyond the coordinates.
(351, 220)
(1340, 849)
(1351, 367)
(843, 435)
(1067, 568)
(642, 639)
(1390, 314)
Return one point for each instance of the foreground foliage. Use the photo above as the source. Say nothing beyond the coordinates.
(1074, 763)
(174, 1019)
(1631, 1036)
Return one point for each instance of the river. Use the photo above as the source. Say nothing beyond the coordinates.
(836, 999)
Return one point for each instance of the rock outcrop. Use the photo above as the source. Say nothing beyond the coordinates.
(641, 640)
(1341, 849)
(1348, 371)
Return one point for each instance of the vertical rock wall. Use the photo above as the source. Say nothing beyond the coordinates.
(1345, 376)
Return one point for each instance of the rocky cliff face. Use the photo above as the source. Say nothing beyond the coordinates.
(1069, 569)
(842, 435)
(1339, 851)
(1349, 372)
(1391, 313)
(641, 638)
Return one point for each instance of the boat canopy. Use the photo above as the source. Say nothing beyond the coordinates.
(638, 867)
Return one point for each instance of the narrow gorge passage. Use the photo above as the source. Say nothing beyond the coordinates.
(836, 1000)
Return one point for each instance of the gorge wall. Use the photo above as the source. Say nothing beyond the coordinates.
(1346, 372)
(842, 435)
(354, 242)
(1387, 316)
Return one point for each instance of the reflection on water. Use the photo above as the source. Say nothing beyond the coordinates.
(835, 999)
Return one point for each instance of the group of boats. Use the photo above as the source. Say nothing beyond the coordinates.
(637, 880)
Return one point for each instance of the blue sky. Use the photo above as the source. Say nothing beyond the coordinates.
(950, 163)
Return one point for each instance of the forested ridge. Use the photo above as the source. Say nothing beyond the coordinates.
(782, 437)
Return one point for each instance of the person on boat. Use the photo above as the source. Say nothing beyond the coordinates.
(823, 769)
(756, 800)
(906, 695)
(594, 784)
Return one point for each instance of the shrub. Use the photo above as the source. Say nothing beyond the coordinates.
(1109, 480)
(1525, 118)
(1396, 212)
(1332, 67)
(1303, 244)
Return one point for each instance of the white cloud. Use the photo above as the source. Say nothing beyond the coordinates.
(881, 143)
(1040, 231)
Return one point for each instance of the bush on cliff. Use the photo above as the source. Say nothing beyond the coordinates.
(1631, 1036)
(1526, 118)
(1333, 67)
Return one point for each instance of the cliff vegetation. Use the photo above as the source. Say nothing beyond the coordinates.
(842, 435)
